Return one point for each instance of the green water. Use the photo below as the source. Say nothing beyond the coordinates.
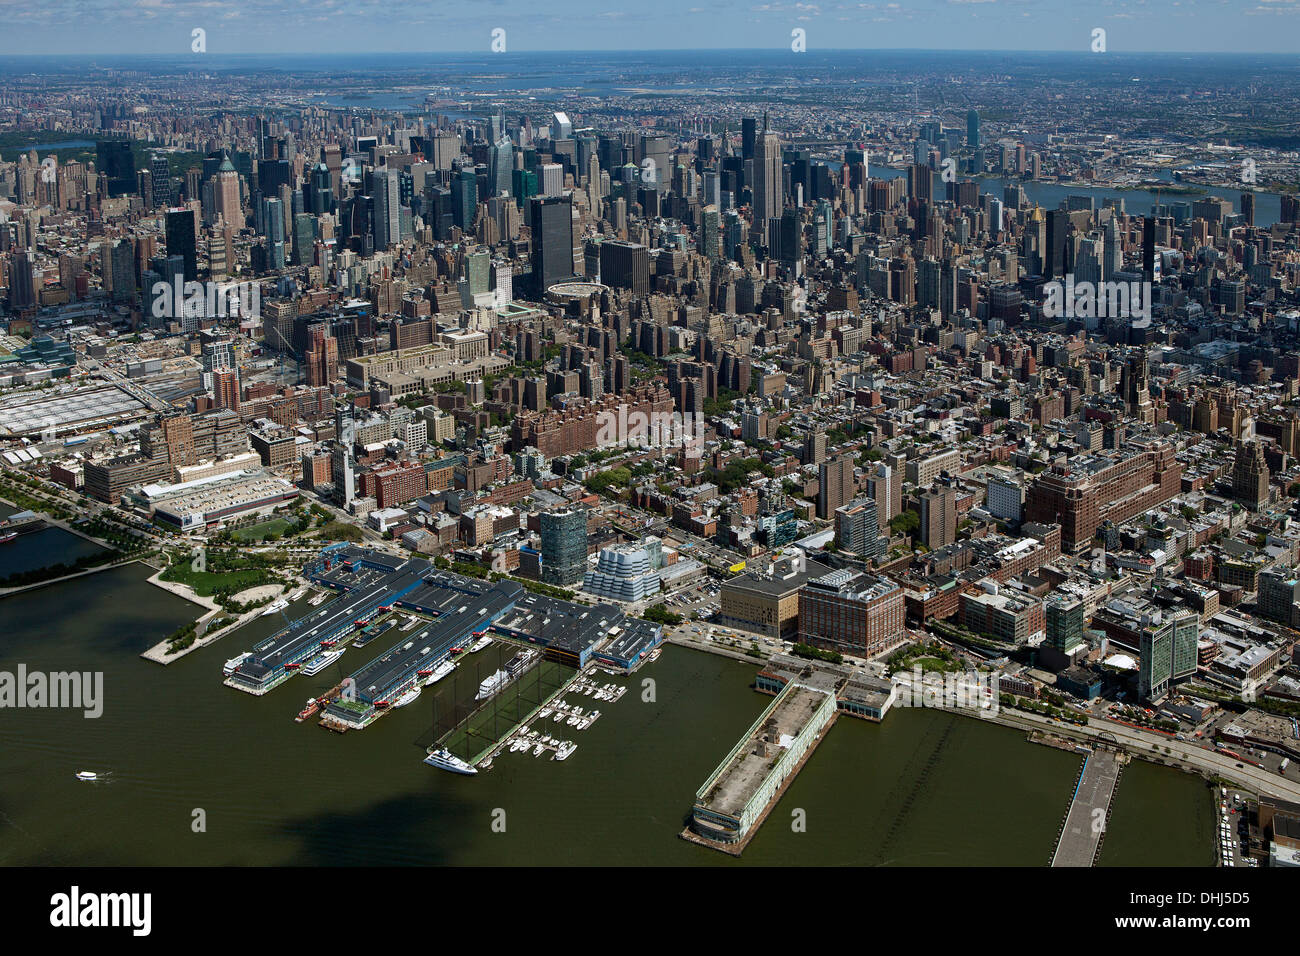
(923, 788)
(1161, 817)
(40, 549)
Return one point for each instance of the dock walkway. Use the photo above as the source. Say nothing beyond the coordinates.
(1080, 838)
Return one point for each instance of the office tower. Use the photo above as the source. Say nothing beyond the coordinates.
(973, 129)
(160, 175)
(748, 137)
(386, 197)
(121, 264)
(550, 179)
(1250, 475)
(1065, 620)
(920, 182)
(768, 200)
(1113, 255)
(625, 265)
(857, 529)
(501, 165)
(464, 202)
(181, 241)
(226, 194)
(564, 546)
(551, 221)
(114, 160)
(1279, 592)
(1058, 224)
(1166, 652)
(938, 517)
(710, 232)
(1148, 249)
(835, 485)
(1248, 208)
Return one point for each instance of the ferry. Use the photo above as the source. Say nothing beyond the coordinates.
(313, 706)
(447, 761)
(6, 538)
(481, 643)
(276, 606)
(439, 672)
(87, 775)
(492, 684)
(320, 662)
(232, 665)
(408, 697)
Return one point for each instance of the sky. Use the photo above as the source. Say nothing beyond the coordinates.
(466, 26)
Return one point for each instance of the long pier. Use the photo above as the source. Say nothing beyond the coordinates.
(1085, 822)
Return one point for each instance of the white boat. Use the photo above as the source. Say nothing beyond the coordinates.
(537, 751)
(492, 684)
(448, 761)
(408, 697)
(232, 664)
(87, 775)
(566, 748)
(321, 661)
(439, 672)
(276, 606)
(481, 643)
(572, 721)
(559, 715)
(593, 717)
(587, 690)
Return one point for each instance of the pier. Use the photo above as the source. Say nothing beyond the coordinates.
(1085, 822)
(742, 790)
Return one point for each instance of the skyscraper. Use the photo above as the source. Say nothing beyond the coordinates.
(551, 220)
(1250, 476)
(181, 242)
(768, 200)
(386, 195)
(113, 158)
(973, 129)
(1058, 223)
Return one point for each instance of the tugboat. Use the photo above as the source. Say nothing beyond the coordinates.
(312, 708)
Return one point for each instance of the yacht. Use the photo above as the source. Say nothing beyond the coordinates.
(439, 672)
(566, 748)
(492, 684)
(408, 697)
(279, 605)
(320, 662)
(87, 775)
(481, 643)
(447, 761)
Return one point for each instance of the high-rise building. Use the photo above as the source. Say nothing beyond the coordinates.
(551, 221)
(625, 265)
(564, 546)
(938, 517)
(322, 356)
(973, 129)
(768, 198)
(386, 196)
(1250, 475)
(181, 240)
(835, 485)
(113, 159)
(857, 529)
(1058, 224)
(226, 194)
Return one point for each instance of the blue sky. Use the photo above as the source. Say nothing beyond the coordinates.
(315, 26)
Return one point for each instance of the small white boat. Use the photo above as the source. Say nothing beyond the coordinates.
(537, 751)
(87, 775)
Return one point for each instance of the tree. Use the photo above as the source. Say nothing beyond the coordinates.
(905, 522)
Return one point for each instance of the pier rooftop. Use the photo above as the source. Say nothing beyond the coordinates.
(743, 776)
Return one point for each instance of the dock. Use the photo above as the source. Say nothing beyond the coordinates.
(1085, 822)
(741, 791)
